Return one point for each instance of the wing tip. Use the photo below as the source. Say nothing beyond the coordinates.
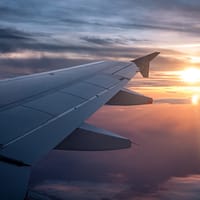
(144, 62)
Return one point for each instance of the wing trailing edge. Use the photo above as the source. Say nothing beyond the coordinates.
(144, 62)
(90, 138)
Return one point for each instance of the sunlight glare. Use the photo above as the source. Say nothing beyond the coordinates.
(195, 59)
(190, 75)
(195, 99)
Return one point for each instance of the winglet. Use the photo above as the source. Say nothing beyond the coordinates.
(143, 63)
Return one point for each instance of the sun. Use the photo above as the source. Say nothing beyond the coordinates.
(195, 99)
(190, 75)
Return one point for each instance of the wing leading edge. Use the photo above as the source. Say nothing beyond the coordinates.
(47, 110)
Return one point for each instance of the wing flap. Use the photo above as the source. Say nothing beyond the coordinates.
(90, 138)
(127, 97)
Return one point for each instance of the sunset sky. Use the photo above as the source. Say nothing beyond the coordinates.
(40, 35)
(35, 33)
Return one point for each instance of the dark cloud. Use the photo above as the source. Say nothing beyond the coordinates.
(9, 33)
(111, 41)
(102, 41)
(13, 40)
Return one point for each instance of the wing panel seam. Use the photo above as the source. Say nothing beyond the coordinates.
(59, 116)
(122, 68)
(36, 109)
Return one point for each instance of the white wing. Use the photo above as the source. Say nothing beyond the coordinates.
(44, 111)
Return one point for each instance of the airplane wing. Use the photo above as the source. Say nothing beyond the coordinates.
(47, 110)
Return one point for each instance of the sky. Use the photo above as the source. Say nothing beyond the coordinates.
(40, 35)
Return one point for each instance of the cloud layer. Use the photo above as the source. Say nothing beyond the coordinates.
(168, 147)
(98, 30)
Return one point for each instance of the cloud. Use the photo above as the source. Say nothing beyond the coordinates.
(177, 188)
(173, 101)
(101, 41)
(180, 188)
(127, 29)
(8, 33)
(144, 169)
(111, 41)
(79, 190)
(12, 39)
(74, 16)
